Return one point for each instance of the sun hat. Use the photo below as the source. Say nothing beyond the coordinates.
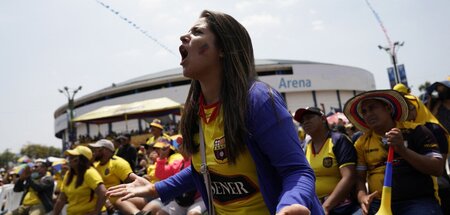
(302, 111)
(352, 108)
(103, 143)
(80, 150)
(156, 123)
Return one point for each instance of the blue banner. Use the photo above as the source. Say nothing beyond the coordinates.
(391, 76)
(402, 73)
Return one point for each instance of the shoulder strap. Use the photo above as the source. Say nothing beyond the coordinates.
(204, 171)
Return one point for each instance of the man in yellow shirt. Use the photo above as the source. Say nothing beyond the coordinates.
(38, 191)
(381, 115)
(114, 170)
(157, 131)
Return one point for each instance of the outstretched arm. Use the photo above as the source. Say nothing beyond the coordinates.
(140, 187)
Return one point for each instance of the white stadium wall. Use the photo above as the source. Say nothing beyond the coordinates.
(302, 84)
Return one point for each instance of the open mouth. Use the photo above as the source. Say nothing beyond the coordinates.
(184, 53)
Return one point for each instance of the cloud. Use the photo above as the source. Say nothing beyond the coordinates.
(261, 20)
(317, 25)
(129, 53)
(288, 3)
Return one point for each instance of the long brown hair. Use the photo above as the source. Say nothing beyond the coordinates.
(238, 66)
(83, 165)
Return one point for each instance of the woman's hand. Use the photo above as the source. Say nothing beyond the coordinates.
(138, 188)
(296, 209)
(366, 201)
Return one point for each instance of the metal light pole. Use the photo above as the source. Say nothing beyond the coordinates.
(70, 94)
(393, 54)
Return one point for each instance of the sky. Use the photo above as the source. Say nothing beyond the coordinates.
(48, 44)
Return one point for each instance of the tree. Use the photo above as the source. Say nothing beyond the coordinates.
(40, 151)
(423, 87)
(7, 157)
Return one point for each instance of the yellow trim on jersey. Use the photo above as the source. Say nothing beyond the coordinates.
(347, 164)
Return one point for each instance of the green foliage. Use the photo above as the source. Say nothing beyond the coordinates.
(424, 86)
(6, 157)
(40, 151)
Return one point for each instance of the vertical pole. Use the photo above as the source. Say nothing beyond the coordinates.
(394, 63)
(70, 123)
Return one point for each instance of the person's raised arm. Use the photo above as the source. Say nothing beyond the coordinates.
(427, 164)
(45, 183)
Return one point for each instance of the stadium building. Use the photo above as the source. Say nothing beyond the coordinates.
(302, 84)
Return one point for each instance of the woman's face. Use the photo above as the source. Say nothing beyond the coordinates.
(200, 57)
(73, 161)
(311, 122)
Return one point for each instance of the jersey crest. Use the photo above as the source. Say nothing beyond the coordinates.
(220, 152)
(327, 162)
(107, 171)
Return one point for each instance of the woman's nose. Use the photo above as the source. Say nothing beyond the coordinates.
(184, 38)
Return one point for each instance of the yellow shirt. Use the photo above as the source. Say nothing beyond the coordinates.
(327, 161)
(152, 139)
(151, 173)
(235, 187)
(58, 180)
(174, 157)
(31, 198)
(79, 199)
(407, 182)
(114, 172)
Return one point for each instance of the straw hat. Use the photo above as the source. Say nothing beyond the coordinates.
(398, 104)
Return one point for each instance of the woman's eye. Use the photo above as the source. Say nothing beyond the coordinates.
(196, 32)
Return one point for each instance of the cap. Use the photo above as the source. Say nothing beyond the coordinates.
(80, 150)
(156, 123)
(124, 136)
(163, 142)
(103, 143)
(352, 108)
(401, 88)
(302, 111)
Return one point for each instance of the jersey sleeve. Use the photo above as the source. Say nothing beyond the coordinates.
(441, 135)
(344, 150)
(92, 178)
(422, 141)
(361, 162)
(123, 169)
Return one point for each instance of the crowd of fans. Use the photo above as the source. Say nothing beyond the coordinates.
(349, 177)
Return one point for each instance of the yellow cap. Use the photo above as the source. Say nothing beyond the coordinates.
(401, 88)
(163, 142)
(80, 150)
(156, 123)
